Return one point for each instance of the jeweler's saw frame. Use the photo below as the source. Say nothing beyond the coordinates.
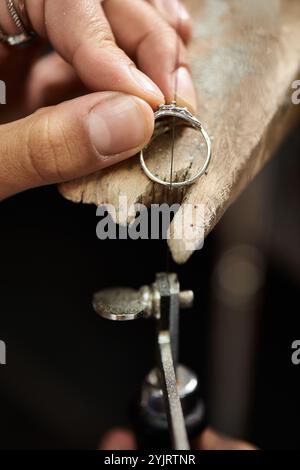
(169, 400)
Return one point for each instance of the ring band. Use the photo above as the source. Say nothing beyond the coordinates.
(19, 17)
(172, 110)
(20, 6)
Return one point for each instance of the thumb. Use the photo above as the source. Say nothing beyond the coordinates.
(72, 139)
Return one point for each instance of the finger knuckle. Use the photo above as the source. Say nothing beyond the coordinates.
(99, 35)
(48, 149)
(168, 42)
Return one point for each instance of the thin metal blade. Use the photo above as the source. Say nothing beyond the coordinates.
(167, 338)
(172, 401)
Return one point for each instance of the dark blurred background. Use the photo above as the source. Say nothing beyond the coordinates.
(71, 376)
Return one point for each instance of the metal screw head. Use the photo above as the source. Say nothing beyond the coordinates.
(119, 304)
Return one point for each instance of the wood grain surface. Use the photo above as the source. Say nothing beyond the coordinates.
(245, 56)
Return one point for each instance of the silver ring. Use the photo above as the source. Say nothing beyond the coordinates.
(172, 110)
(20, 20)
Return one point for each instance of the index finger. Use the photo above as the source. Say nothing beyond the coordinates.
(80, 33)
(156, 46)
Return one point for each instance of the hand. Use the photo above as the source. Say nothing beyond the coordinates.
(90, 132)
(121, 439)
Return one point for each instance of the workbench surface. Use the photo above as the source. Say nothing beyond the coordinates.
(245, 55)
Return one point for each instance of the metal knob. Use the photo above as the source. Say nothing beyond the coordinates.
(123, 304)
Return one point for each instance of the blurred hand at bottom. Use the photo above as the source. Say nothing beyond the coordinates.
(122, 439)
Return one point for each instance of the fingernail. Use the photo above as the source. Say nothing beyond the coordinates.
(118, 124)
(186, 93)
(174, 9)
(147, 84)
